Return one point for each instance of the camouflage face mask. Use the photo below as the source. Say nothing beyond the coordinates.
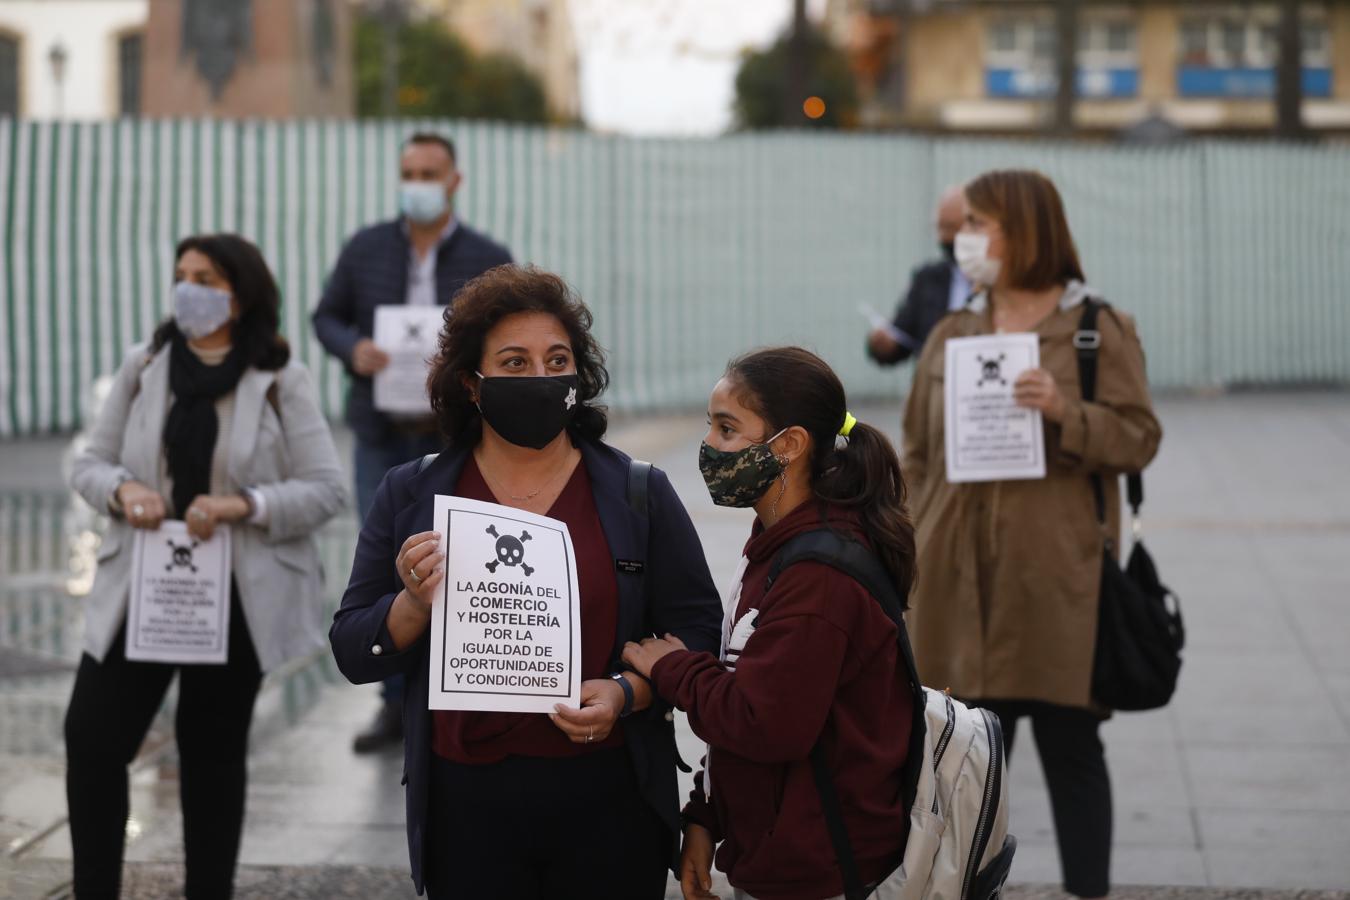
(739, 477)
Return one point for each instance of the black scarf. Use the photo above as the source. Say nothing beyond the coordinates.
(191, 428)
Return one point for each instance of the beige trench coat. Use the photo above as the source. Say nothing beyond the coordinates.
(1005, 606)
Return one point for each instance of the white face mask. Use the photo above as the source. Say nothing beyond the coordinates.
(972, 256)
(422, 202)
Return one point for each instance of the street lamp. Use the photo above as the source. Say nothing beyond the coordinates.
(57, 56)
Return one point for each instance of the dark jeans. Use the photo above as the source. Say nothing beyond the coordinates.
(528, 828)
(111, 709)
(371, 461)
(1074, 764)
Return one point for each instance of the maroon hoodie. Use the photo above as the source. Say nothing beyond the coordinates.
(820, 665)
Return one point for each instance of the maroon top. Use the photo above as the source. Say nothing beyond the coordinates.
(477, 737)
(820, 666)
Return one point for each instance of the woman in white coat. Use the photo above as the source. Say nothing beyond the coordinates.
(214, 425)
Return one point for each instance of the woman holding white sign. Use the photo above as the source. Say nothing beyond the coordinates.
(1006, 612)
(503, 803)
(210, 451)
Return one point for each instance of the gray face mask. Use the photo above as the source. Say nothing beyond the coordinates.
(199, 310)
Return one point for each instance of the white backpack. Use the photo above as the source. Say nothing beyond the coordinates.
(958, 846)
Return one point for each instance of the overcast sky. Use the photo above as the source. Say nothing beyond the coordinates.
(666, 67)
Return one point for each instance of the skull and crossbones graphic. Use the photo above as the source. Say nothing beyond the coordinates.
(991, 370)
(182, 557)
(510, 551)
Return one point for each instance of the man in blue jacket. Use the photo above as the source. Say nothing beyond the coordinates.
(421, 258)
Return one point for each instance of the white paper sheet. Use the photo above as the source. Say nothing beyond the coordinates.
(988, 436)
(408, 334)
(879, 322)
(180, 596)
(506, 628)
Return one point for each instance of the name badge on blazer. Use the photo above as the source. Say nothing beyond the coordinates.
(631, 566)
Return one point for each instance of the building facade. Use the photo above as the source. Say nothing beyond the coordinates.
(249, 58)
(990, 66)
(101, 59)
(79, 59)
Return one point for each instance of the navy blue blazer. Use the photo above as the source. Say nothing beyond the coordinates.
(673, 593)
(924, 305)
(373, 269)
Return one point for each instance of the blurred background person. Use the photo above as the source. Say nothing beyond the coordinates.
(581, 802)
(1006, 611)
(422, 258)
(213, 424)
(935, 289)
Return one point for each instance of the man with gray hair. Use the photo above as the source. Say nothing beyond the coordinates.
(935, 289)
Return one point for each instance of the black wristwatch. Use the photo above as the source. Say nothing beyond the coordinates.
(627, 694)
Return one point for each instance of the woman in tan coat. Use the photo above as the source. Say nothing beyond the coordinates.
(1004, 612)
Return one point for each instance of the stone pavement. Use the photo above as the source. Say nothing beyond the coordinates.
(1242, 784)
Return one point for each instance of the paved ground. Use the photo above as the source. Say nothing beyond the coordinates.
(1242, 783)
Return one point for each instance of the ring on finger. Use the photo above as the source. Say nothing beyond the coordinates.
(412, 573)
(590, 734)
(197, 513)
(137, 511)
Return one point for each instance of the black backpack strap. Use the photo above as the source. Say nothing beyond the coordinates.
(426, 461)
(1088, 341)
(834, 821)
(861, 564)
(639, 473)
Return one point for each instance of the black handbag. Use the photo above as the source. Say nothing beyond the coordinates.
(1140, 633)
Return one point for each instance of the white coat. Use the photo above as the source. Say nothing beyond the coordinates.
(286, 453)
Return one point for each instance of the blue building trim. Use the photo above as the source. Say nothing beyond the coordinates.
(1122, 83)
(1248, 81)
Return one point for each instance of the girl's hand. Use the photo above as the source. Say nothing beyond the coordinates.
(642, 657)
(696, 859)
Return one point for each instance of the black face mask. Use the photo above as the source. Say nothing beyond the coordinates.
(528, 411)
(949, 251)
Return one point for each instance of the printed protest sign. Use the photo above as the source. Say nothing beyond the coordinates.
(409, 335)
(506, 628)
(180, 596)
(988, 436)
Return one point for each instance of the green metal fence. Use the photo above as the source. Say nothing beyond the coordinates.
(689, 251)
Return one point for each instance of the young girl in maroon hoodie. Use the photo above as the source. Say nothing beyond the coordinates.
(811, 660)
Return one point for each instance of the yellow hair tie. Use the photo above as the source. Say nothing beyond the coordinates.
(849, 422)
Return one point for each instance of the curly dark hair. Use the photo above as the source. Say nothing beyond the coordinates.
(257, 328)
(480, 305)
